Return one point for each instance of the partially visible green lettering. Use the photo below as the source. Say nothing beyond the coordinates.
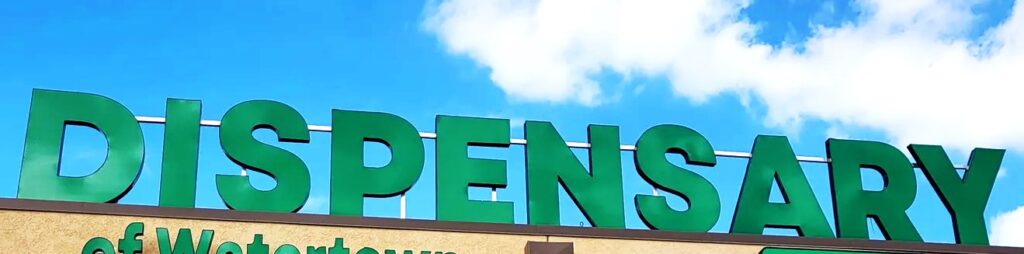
(597, 193)
(456, 171)
(852, 204)
(702, 197)
(229, 248)
(98, 244)
(288, 170)
(287, 249)
(49, 114)
(339, 247)
(257, 246)
(183, 242)
(773, 160)
(181, 154)
(316, 250)
(965, 198)
(131, 244)
(351, 180)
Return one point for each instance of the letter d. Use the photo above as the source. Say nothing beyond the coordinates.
(50, 112)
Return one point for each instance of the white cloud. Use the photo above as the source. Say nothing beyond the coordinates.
(546, 50)
(1008, 228)
(904, 68)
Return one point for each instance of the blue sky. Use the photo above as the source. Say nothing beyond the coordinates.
(374, 56)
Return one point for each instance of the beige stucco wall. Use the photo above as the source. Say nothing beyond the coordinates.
(593, 245)
(47, 232)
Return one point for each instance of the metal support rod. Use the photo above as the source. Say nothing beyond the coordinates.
(401, 207)
(519, 141)
(494, 194)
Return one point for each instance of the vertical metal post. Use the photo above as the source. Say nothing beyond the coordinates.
(401, 207)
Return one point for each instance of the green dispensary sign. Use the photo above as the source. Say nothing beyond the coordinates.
(596, 190)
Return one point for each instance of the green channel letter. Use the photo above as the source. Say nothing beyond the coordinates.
(286, 168)
(852, 204)
(131, 244)
(183, 242)
(50, 112)
(598, 193)
(316, 250)
(257, 246)
(773, 160)
(229, 248)
(181, 154)
(351, 180)
(456, 171)
(287, 249)
(965, 198)
(702, 197)
(98, 244)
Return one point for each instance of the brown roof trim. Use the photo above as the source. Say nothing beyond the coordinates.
(515, 229)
